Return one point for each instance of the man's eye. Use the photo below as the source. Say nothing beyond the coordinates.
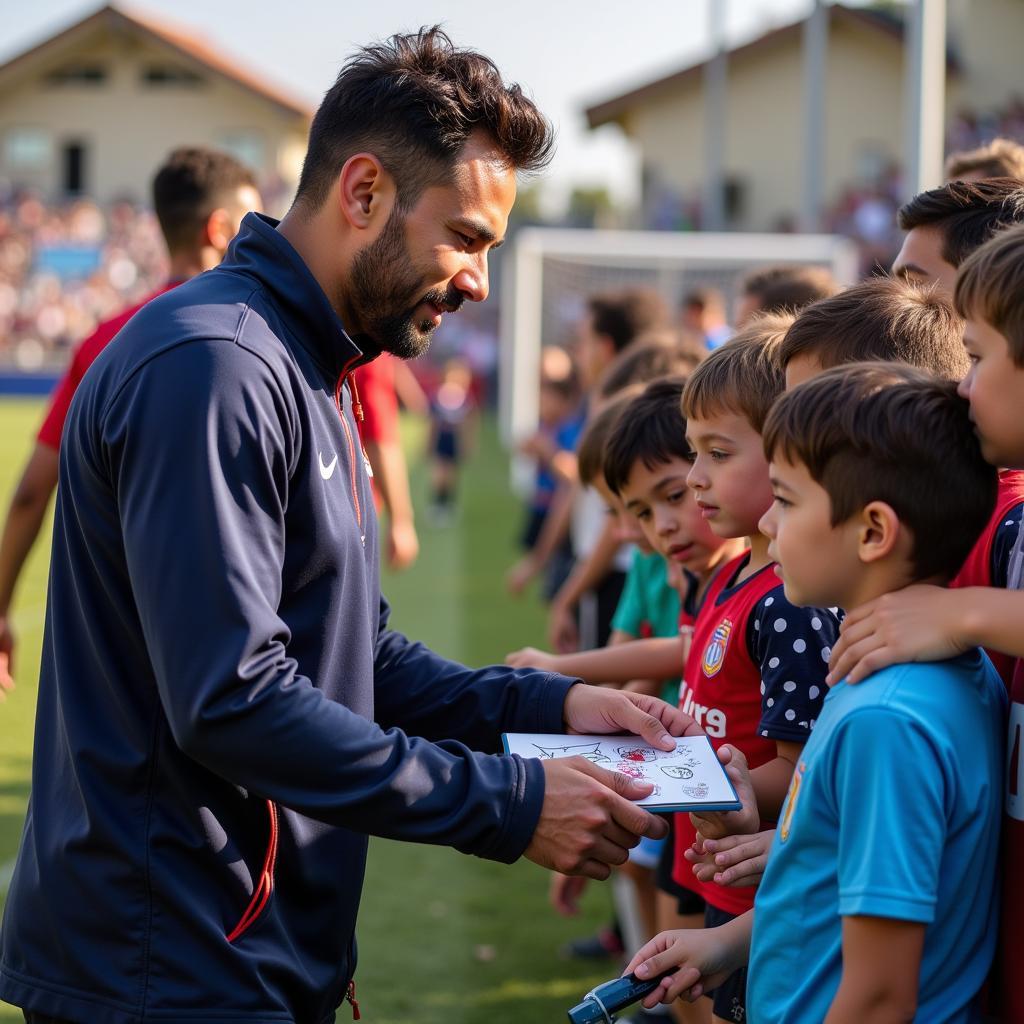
(467, 240)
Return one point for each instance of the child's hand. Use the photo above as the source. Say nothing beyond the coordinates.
(733, 861)
(702, 957)
(519, 577)
(530, 657)
(562, 633)
(920, 623)
(745, 821)
(565, 891)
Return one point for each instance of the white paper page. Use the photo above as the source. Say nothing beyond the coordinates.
(690, 777)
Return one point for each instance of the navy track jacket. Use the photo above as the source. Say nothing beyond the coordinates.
(223, 713)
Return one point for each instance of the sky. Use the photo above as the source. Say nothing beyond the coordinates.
(567, 54)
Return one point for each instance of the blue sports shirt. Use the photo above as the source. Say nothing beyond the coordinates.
(893, 812)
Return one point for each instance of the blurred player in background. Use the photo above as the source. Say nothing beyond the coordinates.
(200, 197)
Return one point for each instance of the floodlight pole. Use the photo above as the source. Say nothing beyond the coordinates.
(716, 83)
(815, 46)
(926, 94)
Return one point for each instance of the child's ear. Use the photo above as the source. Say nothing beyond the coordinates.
(879, 531)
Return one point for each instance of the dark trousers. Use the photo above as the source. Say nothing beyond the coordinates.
(38, 1018)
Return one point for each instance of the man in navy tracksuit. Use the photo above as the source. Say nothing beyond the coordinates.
(224, 715)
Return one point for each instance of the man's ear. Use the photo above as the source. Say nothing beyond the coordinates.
(879, 532)
(365, 191)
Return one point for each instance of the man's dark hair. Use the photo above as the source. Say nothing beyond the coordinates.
(191, 184)
(967, 213)
(623, 315)
(783, 288)
(413, 101)
(882, 318)
(650, 429)
(651, 356)
(893, 433)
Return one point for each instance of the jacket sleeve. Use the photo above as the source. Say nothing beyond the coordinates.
(423, 693)
(199, 446)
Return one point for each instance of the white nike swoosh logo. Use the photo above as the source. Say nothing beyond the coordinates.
(327, 471)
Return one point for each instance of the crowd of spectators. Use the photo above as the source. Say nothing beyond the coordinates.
(66, 267)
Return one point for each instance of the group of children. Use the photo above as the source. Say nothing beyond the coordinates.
(833, 497)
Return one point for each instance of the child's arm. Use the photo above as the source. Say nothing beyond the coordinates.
(881, 964)
(655, 657)
(552, 534)
(926, 623)
(705, 958)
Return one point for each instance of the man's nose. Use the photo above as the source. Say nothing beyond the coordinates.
(472, 279)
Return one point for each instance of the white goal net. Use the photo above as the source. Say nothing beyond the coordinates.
(552, 271)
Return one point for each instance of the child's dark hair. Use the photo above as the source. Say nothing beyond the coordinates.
(600, 425)
(888, 432)
(624, 315)
(881, 318)
(784, 287)
(744, 376)
(652, 356)
(650, 429)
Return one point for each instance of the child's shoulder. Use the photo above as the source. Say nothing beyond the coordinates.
(784, 628)
(936, 694)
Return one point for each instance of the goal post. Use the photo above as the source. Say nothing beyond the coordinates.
(551, 271)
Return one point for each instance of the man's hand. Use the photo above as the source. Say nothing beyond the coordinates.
(597, 709)
(531, 657)
(703, 958)
(919, 623)
(563, 635)
(745, 821)
(733, 861)
(403, 546)
(6, 657)
(564, 893)
(588, 823)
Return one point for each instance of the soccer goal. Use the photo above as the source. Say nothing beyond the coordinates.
(551, 271)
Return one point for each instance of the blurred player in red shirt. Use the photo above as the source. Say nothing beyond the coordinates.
(200, 197)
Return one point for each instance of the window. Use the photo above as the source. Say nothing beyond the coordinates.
(247, 146)
(163, 75)
(88, 74)
(27, 148)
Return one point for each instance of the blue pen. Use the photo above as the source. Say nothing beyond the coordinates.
(600, 1003)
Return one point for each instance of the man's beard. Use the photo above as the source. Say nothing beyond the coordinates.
(384, 292)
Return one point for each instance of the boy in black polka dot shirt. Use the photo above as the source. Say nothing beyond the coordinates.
(755, 677)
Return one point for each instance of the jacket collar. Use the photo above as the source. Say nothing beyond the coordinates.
(260, 251)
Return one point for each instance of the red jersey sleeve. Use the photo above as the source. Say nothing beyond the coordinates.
(376, 384)
(85, 354)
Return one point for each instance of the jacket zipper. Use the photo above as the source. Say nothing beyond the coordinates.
(357, 409)
(264, 886)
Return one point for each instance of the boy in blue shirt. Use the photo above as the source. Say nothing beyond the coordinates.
(878, 902)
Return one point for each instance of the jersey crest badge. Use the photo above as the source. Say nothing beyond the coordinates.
(714, 653)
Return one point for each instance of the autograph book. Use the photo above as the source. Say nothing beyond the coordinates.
(689, 778)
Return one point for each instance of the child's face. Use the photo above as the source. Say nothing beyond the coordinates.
(627, 530)
(729, 475)
(667, 513)
(994, 386)
(816, 561)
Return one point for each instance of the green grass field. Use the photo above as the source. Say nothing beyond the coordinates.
(444, 939)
